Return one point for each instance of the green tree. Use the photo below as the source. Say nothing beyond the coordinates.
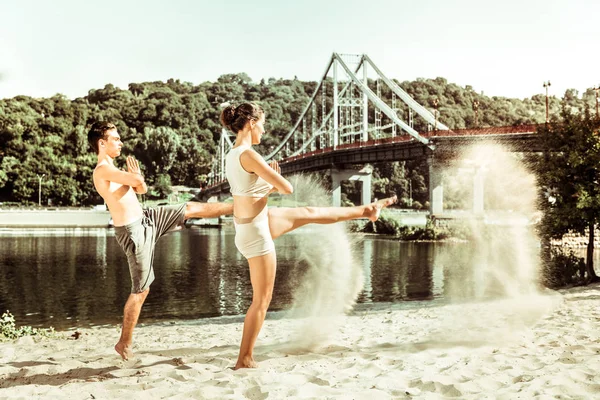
(569, 174)
(158, 150)
(162, 187)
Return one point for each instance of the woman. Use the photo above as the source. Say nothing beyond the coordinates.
(252, 180)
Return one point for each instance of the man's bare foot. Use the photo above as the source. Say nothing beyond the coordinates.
(124, 350)
(374, 209)
(246, 362)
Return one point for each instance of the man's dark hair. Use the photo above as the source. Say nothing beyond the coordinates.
(97, 132)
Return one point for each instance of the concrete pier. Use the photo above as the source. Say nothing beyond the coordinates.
(84, 218)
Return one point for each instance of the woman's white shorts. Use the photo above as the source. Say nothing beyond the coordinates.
(252, 235)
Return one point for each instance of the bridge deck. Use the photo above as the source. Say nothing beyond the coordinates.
(443, 144)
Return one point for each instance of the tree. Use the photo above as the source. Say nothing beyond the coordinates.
(157, 150)
(569, 173)
(162, 187)
(173, 128)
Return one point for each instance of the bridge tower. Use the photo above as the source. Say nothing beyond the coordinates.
(348, 107)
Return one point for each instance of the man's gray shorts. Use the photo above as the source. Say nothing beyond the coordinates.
(139, 238)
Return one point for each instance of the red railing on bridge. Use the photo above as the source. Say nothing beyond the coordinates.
(494, 130)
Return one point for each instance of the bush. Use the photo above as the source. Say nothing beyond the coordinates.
(161, 188)
(459, 230)
(388, 225)
(560, 269)
(430, 232)
(9, 330)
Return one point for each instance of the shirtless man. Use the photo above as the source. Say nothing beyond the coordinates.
(136, 229)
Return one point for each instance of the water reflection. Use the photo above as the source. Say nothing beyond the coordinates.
(76, 278)
(397, 271)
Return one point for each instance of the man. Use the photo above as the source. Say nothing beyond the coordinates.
(136, 230)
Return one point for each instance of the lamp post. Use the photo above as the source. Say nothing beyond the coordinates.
(597, 89)
(476, 109)
(40, 177)
(547, 85)
(436, 101)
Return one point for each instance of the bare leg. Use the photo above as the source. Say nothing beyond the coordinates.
(133, 306)
(207, 210)
(284, 219)
(262, 276)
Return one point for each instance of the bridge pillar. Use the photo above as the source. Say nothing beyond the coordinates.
(364, 176)
(436, 188)
(478, 191)
(365, 195)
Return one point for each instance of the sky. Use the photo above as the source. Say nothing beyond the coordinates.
(501, 48)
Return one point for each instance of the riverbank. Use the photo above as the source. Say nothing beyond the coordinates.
(535, 347)
(54, 218)
(72, 218)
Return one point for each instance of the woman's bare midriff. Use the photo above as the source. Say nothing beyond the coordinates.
(124, 215)
(248, 207)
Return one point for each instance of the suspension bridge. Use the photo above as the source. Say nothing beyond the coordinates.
(347, 123)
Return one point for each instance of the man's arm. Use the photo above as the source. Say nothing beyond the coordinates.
(112, 174)
(134, 167)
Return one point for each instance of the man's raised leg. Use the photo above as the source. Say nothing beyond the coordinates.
(207, 210)
(131, 313)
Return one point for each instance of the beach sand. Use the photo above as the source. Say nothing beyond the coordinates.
(544, 347)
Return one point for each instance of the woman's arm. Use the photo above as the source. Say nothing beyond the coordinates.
(252, 162)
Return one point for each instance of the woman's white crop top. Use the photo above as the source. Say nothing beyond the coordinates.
(241, 182)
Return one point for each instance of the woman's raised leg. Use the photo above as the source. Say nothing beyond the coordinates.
(262, 277)
(286, 219)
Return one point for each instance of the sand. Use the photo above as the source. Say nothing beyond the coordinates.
(545, 346)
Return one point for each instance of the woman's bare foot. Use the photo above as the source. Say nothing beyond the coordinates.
(374, 209)
(246, 362)
(124, 350)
